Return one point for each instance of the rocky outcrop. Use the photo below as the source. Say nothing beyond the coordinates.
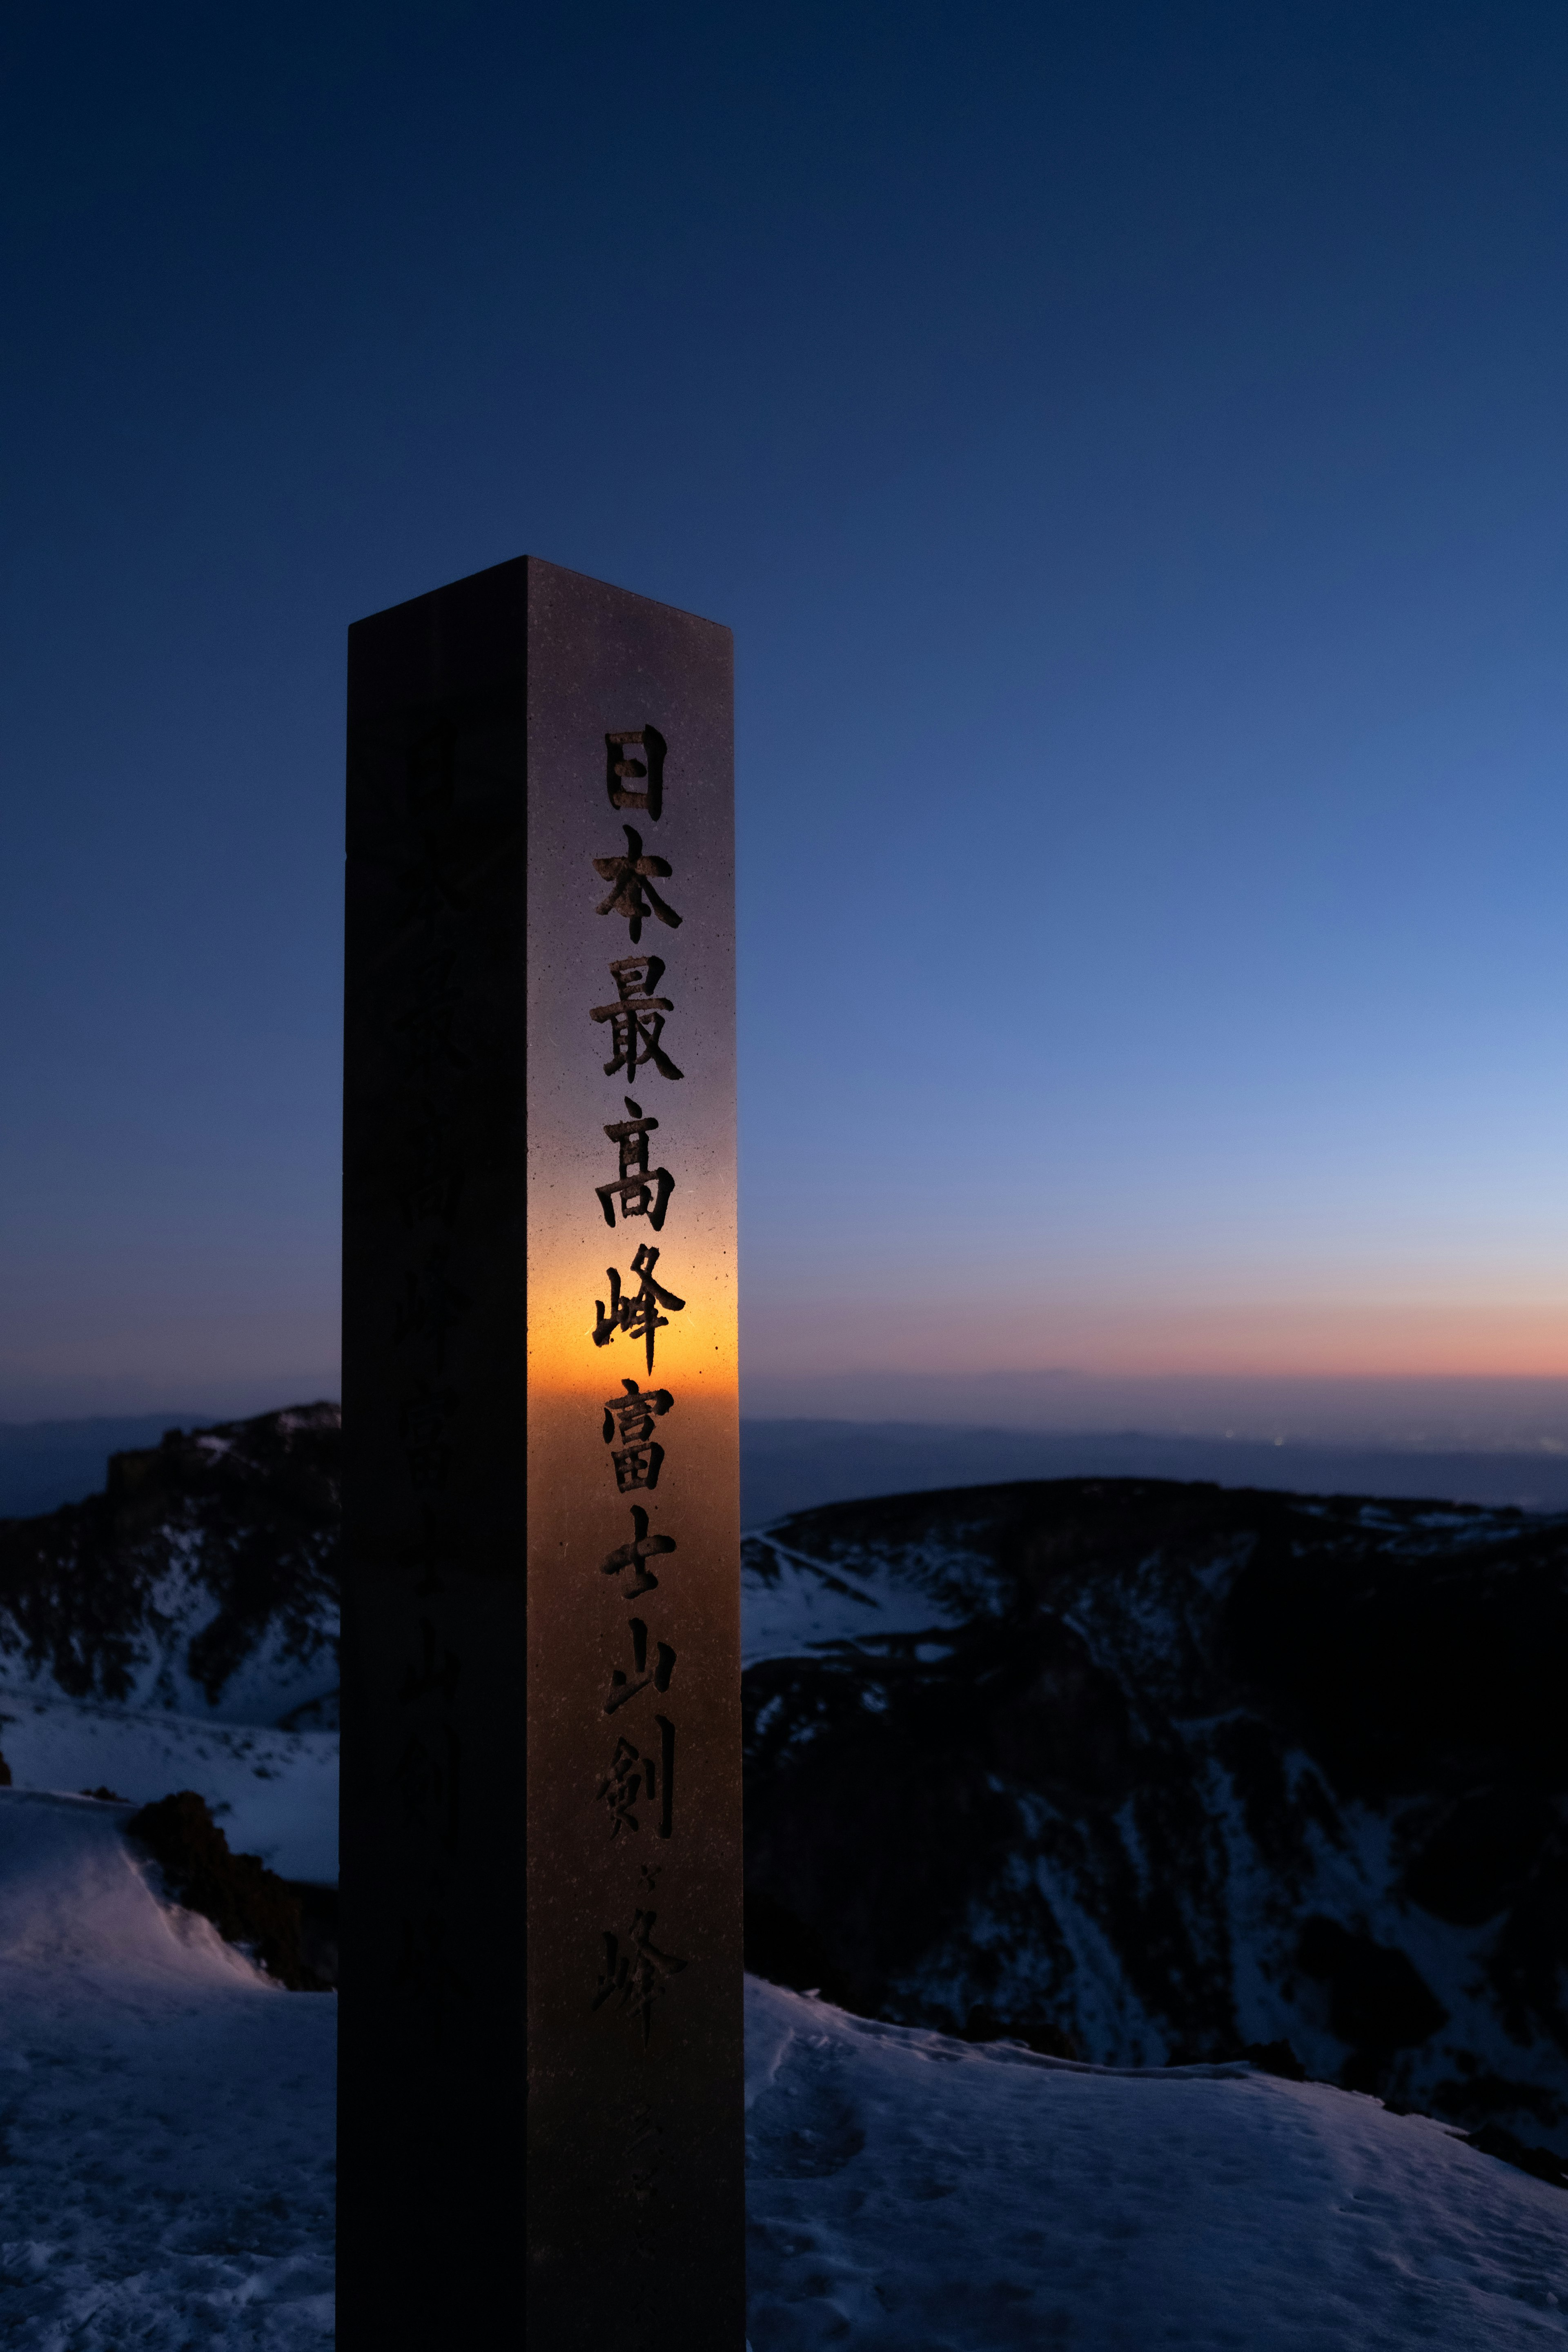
(1171, 1771)
(203, 1580)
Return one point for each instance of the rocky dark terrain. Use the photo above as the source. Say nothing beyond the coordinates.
(1127, 1768)
(1154, 1771)
(203, 1579)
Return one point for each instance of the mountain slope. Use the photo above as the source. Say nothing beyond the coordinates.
(1170, 1771)
(203, 1581)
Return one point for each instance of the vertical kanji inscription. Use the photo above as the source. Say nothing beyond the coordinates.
(542, 1758)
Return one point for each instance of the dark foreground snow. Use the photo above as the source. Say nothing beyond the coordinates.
(168, 2124)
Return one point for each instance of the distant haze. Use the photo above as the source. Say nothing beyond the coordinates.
(1432, 1415)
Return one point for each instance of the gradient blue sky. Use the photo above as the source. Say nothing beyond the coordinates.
(1129, 445)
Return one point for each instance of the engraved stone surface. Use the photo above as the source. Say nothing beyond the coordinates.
(541, 1825)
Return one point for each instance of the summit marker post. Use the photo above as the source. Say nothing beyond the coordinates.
(539, 2106)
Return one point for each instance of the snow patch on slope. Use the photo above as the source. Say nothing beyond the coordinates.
(793, 1606)
(273, 1793)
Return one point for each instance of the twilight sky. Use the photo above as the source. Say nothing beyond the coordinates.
(1129, 444)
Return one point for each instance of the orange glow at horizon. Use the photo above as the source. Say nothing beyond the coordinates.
(1394, 1338)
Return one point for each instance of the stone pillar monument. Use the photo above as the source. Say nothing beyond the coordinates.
(541, 2071)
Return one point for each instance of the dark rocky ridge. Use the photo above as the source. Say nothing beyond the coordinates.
(1176, 1770)
(1180, 1769)
(205, 1577)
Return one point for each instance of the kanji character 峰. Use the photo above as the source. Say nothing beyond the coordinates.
(634, 1312)
(636, 1973)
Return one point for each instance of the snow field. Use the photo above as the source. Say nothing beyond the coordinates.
(168, 2122)
(167, 2111)
(907, 2193)
(273, 1793)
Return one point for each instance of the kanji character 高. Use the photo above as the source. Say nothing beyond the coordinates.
(642, 1190)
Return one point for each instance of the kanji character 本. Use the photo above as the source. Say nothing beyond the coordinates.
(637, 1018)
(621, 766)
(637, 1555)
(635, 1778)
(636, 1973)
(631, 1417)
(636, 1311)
(633, 895)
(657, 1676)
(644, 1191)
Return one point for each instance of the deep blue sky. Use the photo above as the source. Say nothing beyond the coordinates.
(1129, 445)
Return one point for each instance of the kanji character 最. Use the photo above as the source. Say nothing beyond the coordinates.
(636, 1017)
(642, 1190)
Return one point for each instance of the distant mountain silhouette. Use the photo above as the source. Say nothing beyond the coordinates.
(793, 1465)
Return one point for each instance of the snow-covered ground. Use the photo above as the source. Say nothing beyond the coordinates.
(168, 2130)
(166, 2111)
(907, 2193)
(274, 1793)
